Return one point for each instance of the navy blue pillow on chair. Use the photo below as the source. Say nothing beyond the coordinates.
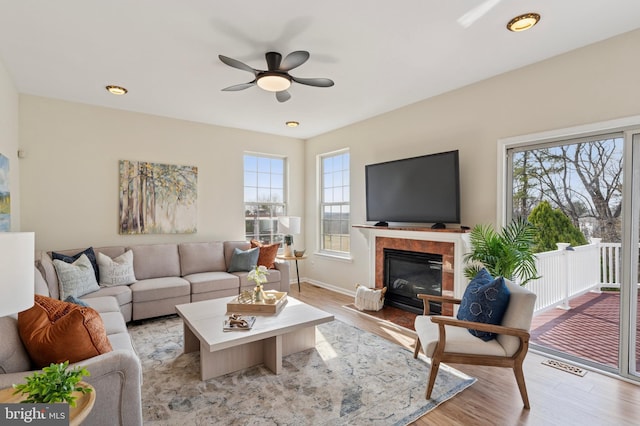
(485, 300)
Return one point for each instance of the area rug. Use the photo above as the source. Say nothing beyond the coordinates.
(351, 377)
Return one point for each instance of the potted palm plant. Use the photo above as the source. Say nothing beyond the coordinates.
(508, 253)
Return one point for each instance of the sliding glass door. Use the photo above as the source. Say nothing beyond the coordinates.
(585, 192)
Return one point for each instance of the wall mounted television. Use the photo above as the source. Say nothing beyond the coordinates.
(423, 189)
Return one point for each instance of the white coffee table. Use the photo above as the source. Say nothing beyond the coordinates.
(272, 336)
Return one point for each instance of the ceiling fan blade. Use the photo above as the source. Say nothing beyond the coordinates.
(477, 12)
(283, 96)
(294, 59)
(237, 64)
(318, 82)
(237, 87)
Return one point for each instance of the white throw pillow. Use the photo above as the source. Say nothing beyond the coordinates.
(118, 271)
(76, 279)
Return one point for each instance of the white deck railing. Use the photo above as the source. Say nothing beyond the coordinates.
(572, 271)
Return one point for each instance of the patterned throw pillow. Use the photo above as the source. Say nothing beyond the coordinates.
(57, 331)
(485, 300)
(244, 261)
(91, 255)
(118, 271)
(77, 278)
(268, 253)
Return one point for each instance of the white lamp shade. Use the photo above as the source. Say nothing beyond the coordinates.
(16, 272)
(288, 225)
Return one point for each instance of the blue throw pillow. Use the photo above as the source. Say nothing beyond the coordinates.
(75, 300)
(485, 300)
(70, 259)
(244, 261)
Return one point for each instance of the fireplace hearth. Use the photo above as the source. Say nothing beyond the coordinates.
(409, 273)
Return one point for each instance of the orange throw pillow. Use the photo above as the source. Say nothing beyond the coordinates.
(268, 253)
(54, 331)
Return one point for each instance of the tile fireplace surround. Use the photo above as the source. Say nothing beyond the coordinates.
(449, 243)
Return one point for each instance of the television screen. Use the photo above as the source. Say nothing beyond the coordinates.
(422, 189)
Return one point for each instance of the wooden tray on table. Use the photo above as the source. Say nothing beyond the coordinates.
(259, 307)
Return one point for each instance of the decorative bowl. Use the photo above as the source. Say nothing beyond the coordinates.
(298, 253)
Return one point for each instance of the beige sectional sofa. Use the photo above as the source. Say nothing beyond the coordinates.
(170, 274)
(116, 376)
(167, 275)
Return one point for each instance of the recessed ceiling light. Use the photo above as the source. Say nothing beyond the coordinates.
(116, 90)
(292, 124)
(523, 22)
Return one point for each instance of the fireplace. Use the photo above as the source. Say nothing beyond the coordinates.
(408, 273)
(445, 249)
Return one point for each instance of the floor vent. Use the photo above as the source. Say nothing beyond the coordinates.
(565, 367)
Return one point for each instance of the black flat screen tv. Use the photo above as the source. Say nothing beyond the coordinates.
(423, 189)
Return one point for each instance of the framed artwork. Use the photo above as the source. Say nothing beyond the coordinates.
(157, 198)
(5, 195)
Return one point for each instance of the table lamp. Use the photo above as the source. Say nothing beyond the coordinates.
(288, 225)
(16, 272)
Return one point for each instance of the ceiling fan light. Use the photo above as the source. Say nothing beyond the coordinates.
(273, 82)
(523, 22)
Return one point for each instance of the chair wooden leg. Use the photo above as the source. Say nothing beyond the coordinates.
(435, 365)
(416, 351)
(519, 373)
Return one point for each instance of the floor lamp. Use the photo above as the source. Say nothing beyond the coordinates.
(16, 272)
(288, 225)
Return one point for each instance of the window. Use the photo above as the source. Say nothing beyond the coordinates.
(334, 203)
(264, 196)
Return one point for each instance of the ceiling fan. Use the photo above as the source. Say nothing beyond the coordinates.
(276, 77)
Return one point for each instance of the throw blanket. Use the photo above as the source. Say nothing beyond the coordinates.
(368, 299)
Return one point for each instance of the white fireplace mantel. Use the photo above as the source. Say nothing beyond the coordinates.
(458, 237)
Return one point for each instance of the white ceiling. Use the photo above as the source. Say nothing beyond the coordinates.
(381, 55)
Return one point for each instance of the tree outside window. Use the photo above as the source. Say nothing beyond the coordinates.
(581, 178)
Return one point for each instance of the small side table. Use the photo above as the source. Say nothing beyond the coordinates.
(296, 258)
(84, 402)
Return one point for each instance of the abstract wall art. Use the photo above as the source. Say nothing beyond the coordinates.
(157, 198)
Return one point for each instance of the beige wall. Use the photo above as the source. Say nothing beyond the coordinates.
(596, 83)
(9, 140)
(70, 176)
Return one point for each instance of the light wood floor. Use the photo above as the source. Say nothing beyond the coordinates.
(556, 397)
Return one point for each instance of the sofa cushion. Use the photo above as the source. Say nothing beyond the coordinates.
(57, 331)
(212, 281)
(89, 252)
(122, 294)
(77, 278)
(201, 257)
(484, 301)
(268, 253)
(13, 355)
(118, 271)
(244, 260)
(159, 289)
(156, 261)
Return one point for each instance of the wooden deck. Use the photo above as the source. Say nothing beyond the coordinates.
(589, 330)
